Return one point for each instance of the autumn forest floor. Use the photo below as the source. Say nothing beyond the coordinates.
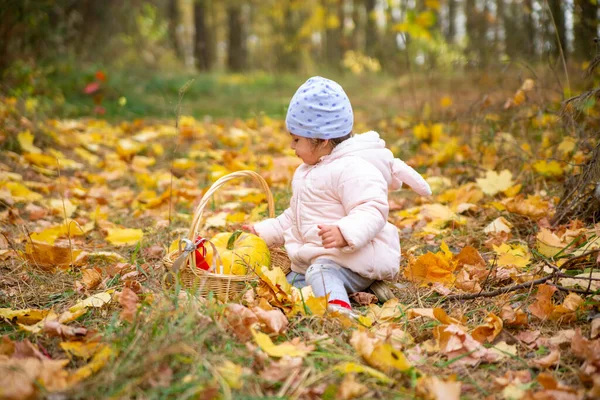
(93, 201)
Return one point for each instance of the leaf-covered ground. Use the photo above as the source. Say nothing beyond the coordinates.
(494, 301)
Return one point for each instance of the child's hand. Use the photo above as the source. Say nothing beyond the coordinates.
(331, 236)
(250, 228)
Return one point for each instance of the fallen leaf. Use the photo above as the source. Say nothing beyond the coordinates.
(595, 328)
(240, 320)
(350, 389)
(489, 330)
(27, 316)
(350, 367)
(55, 328)
(96, 300)
(124, 237)
(543, 305)
(434, 388)
(548, 360)
(83, 350)
(494, 182)
(498, 225)
(99, 360)
(129, 300)
(232, 373)
(363, 298)
(295, 348)
(274, 320)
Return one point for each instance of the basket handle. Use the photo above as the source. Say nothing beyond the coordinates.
(195, 227)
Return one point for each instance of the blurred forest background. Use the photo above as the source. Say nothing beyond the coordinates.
(130, 58)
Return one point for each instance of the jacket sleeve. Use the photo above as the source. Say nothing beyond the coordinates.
(403, 173)
(365, 198)
(271, 230)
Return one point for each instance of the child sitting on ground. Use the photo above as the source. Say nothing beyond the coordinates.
(336, 231)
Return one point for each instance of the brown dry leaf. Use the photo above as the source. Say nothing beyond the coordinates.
(91, 277)
(553, 389)
(350, 389)
(393, 333)
(489, 330)
(21, 378)
(588, 350)
(528, 337)
(279, 370)
(454, 341)
(434, 388)
(595, 328)
(49, 257)
(469, 256)
(533, 207)
(513, 317)
(543, 305)
(55, 328)
(35, 212)
(567, 310)
(129, 300)
(240, 320)
(363, 298)
(274, 320)
(549, 360)
(513, 377)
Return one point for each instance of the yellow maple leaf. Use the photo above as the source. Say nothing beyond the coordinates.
(25, 140)
(284, 349)
(232, 373)
(421, 131)
(351, 368)
(20, 192)
(567, 145)
(96, 300)
(548, 168)
(446, 102)
(495, 182)
(124, 236)
(99, 360)
(26, 316)
(512, 255)
(83, 350)
(387, 358)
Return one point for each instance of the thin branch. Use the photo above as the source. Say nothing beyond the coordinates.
(496, 292)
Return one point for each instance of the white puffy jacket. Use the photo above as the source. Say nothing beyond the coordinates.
(347, 188)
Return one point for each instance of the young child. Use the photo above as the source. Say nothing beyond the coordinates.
(336, 231)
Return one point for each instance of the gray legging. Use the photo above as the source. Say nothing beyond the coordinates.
(327, 277)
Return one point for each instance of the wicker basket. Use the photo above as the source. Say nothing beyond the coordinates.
(225, 287)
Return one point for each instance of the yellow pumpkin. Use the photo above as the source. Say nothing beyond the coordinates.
(239, 252)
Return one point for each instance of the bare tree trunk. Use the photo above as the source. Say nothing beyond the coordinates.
(355, 38)
(558, 26)
(173, 23)
(585, 28)
(529, 25)
(203, 48)
(451, 31)
(236, 50)
(370, 29)
(513, 30)
(333, 32)
(500, 28)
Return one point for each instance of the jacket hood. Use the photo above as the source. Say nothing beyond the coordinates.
(370, 147)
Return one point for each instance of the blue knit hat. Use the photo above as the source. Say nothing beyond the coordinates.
(320, 109)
